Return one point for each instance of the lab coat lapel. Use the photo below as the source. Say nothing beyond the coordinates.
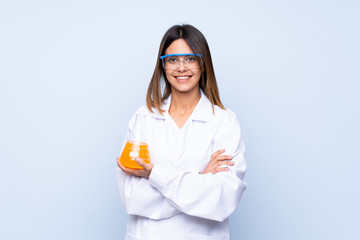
(203, 112)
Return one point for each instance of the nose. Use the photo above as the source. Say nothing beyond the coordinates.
(181, 66)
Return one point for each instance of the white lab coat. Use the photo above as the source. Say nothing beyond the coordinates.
(177, 202)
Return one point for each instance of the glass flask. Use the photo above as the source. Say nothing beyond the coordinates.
(136, 146)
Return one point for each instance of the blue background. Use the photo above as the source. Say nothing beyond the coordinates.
(73, 72)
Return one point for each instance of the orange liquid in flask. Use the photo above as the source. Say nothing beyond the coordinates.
(132, 151)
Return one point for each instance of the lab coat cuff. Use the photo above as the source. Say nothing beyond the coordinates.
(160, 175)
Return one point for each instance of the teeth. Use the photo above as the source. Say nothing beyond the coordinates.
(182, 77)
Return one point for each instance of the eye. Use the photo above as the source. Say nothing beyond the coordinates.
(190, 59)
(171, 59)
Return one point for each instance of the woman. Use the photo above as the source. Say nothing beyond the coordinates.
(196, 175)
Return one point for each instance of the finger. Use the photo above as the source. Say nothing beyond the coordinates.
(120, 166)
(225, 162)
(136, 172)
(217, 153)
(128, 171)
(224, 158)
(141, 162)
(118, 162)
(221, 169)
(146, 166)
(124, 169)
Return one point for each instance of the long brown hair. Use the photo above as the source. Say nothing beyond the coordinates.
(198, 44)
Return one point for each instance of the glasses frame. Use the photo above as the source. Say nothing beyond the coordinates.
(178, 54)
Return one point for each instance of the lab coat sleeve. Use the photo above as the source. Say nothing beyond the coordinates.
(209, 196)
(139, 197)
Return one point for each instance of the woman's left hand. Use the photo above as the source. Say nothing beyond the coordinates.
(145, 173)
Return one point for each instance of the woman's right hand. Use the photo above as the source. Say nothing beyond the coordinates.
(217, 160)
(145, 172)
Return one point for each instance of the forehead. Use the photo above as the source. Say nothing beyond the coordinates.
(178, 46)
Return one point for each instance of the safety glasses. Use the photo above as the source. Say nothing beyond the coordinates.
(172, 61)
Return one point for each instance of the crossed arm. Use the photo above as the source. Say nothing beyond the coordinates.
(160, 191)
(215, 165)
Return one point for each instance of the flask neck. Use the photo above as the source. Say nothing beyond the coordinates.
(138, 130)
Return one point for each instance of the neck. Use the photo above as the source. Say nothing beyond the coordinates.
(184, 102)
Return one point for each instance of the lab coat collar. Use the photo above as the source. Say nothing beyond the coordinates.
(202, 112)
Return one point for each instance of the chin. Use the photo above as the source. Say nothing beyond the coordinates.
(186, 89)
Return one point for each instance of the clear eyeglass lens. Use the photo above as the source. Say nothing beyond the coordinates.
(173, 62)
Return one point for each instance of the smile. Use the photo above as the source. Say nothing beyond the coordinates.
(182, 77)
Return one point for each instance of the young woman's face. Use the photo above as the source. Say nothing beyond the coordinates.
(182, 79)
